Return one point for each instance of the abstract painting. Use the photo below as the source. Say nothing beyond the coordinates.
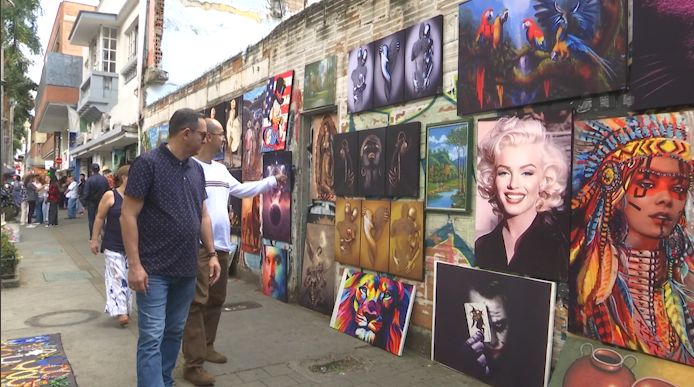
(663, 54)
(631, 241)
(360, 77)
(275, 273)
(278, 94)
(448, 172)
(389, 77)
(523, 172)
(346, 152)
(406, 258)
(374, 309)
(277, 214)
(590, 363)
(347, 231)
(375, 235)
(402, 159)
(424, 59)
(37, 361)
(252, 127)
(323, 171)
(250, 218)
(235, 207)
(446, 245)
(515, 53)
(234, 135)
(319, 83)
(520, 315)
(318, 271)
(371, 180)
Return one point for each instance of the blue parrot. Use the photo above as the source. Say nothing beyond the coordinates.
(573, 29)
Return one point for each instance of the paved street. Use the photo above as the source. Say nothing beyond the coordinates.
(269, 343)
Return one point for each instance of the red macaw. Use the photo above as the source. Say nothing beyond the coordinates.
(497, 36)
(537, 41)
(484, 37)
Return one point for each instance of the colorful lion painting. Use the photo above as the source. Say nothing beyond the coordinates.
(374, 309)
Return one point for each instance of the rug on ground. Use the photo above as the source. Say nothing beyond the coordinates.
(36, 361)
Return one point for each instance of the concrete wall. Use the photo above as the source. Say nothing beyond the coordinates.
(62, 70)
(126, 112)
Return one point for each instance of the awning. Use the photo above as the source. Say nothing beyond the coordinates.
(114, 139)
(54, 118)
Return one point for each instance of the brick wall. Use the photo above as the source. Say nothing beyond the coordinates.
(64, 20)
(334, 27)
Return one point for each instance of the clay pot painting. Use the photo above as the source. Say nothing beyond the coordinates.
(652, 382)
(603, 368)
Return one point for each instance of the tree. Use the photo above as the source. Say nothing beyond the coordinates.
(458, 139)
(19, 34)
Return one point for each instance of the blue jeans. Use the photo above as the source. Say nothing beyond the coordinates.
(91, 214)
(162, 314)
(72, 208)
(38, 211)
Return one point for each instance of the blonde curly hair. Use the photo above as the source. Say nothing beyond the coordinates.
(513, 131)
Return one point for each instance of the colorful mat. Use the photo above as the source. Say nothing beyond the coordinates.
(36, 361)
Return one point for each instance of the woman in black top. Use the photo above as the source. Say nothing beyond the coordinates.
(524, 176)
(31, 198)
(119, 295)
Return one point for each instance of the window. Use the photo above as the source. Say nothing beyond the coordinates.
(132, 44)
(108, 49)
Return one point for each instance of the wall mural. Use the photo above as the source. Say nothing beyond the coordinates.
(250, 218)
(323, 171)
(424, 59)
(347, 231)
(513, 54)
(318, 269)
(153, 137)
(402, 159)
(319, 83)
(631, 249)
(371, 177)
(406, 240)
(346, 163)
(278, 94)
(374, 309)
(252, 126)
(512, 344)
(375, 235)
(360, 73)
(275, 273)
(277, 214)
(523, 174)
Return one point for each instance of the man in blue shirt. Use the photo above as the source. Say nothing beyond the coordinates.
(95, 187)
(163, 220)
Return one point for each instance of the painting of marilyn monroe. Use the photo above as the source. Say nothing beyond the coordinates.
(523, 171)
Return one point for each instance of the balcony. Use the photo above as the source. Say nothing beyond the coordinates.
(98, 94)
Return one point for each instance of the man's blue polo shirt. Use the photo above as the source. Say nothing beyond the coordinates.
(169, 223)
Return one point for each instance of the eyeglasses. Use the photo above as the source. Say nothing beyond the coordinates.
(217, 134)
(202, 134)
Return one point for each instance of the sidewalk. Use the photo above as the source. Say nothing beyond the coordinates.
(269, 343)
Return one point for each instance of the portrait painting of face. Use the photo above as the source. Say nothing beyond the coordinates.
(277, 214)
(278, 94)
(523, 168)
(319, 83)
(402, 159)
(346, 154)
(234, 143)
(406, 257)
(219, 113)
(577, 358)
(318, 270)
(514, 53)
(375, 235)
(251, 127)
(374, 309)
(424, 59)
(360, 77)
(663, 54)
(347, 231)
(234, 207)
(250, 218)
(372, 162)
(323, 171)
(275, 273)
(631, 244)
(389, 70)
(448, 172)
(520, 314)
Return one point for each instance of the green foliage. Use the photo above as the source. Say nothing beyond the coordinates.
(8, 257)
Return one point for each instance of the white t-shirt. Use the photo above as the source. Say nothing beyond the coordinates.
(219, 184)
(73, 194)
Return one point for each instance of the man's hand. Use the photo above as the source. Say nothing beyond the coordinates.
(138, 279)
(215, 270)
(281, 178)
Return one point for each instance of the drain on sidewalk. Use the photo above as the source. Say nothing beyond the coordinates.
(236, 306)
(63, 318)
(66, 275)
(350, 363)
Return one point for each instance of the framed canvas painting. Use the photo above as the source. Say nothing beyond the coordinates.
(318, 271)
(235, 207)
(234, 134)
(371, 179)
(347, 231)
(252, 127)
(424, 59)
(250, 218)
(277, 213)
(391, 300)
(346, 162)
(448, 171)
(375, 235)
(403, 159)
(278, 94)
(406, 258)
(389, 76)
(360, 73)
(323, 168)
(275, 273)
(319, 83)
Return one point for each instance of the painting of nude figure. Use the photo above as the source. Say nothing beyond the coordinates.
(406, 240)
(375, 235)
(347, 231)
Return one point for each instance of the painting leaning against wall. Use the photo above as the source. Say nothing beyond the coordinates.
(252, 126)
(318, 270)
(448, 170)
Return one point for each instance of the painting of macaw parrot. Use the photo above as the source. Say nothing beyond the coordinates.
(515, 53)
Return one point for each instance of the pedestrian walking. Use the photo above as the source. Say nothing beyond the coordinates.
(206, 309)
(53, 199)
(119, 297)
(22, 200)
(62, 185)
(163, 220)
(80, 191)
(94, 189)
(72, 198)
(41, 194)
(31, 199)
(46, 203)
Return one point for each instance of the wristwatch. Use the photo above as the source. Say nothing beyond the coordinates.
(212, 254)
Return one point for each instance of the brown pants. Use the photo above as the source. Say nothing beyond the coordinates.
(205, 311)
